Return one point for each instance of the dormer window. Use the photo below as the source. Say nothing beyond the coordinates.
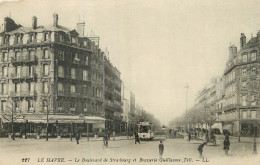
(18, 38)
(31, 37)
(253, 56)
(61, 37)
(45, 37)
(244, 57)
(73, 40)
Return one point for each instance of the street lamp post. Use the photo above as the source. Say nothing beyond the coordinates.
(239, 129)
(254, 147)
(187, 125)
(47, 125)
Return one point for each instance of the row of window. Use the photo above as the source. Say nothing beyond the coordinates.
(30, 54)
(20, 88)
(231, 89)
(246, 57)
(21, 71)
(19, 55)
(30, 104)
(230, 76)
(41, 37)
(248, 71)
(73, 72)
(230, 101)
(17, 106)
(248, 114)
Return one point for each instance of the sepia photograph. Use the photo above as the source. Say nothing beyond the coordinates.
(129, 82)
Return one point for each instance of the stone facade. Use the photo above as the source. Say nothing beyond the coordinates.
(53, 68)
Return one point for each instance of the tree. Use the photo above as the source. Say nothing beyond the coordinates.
(10, 114)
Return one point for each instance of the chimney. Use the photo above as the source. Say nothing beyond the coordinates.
(258, 35)
(232, 51)
(55, 19)
(9, 24)
(242, 40)
(34, 22)
(80, 28)
(5, 24)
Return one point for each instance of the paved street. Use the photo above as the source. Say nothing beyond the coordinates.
(93, 150)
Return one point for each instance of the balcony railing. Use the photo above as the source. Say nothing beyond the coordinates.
(60, 109)
(231, 106)
(24, 59)
(109, 103)
(74, 94)
(118, 118)
(31, 110)
(21, 76)
(23, 94)
(3, 76)
(61, 93)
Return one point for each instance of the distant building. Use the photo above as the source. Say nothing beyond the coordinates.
(113, 106)
(234, 98)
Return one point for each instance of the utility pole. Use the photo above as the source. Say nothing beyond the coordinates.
(47, 126)
(239, 130)
(12, 119)
(187, 125)
(254, 146)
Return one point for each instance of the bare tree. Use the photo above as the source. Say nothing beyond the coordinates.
(10, 114)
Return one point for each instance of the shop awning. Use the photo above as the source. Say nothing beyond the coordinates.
(217, 126)
(228, 127)
(59, 118)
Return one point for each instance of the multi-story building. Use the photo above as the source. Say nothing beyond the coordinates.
(113, 107)
(56, 71)
(206, 102)
(237, 98)
(242, 84)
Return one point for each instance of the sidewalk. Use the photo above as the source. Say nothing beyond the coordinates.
(234, 139)
(67, 139)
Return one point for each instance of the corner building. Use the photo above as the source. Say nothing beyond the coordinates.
(55, 70)
(241, 115)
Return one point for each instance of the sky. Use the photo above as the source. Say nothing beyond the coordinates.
(159, 46)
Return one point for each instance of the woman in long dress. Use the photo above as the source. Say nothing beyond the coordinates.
(226, 144)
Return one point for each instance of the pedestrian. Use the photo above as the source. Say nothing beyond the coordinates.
(136, 137)
(189, 136)
(21, 134)
(114, 135)
(105, 140)
(200, 148)
(207, 137)
(196, 134)
(161, 148)
(77, 137)
(226, 144)
(109, 134)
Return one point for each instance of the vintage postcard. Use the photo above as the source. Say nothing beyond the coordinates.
(129, 82)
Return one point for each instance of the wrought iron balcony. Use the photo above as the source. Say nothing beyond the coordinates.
(23, 94)
(21, 76)
(24, 59)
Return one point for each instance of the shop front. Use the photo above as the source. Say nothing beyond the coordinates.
(31, 126)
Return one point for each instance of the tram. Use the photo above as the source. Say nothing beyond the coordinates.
(145, 131)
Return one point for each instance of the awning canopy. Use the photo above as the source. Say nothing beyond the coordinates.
(217, 126)
(57, 118)
(228, 127)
